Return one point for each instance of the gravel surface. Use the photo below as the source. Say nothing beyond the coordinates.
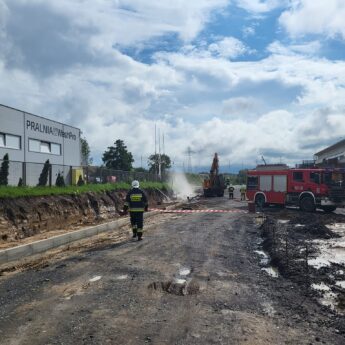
(195, 279)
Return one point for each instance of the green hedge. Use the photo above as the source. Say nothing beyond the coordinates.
(17, 192)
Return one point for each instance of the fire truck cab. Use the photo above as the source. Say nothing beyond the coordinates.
(307, 188)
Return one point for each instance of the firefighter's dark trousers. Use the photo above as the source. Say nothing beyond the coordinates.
(137, 222)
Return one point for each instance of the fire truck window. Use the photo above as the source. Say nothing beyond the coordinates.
(327, 178)
(266, 183)
(298, 176)
(315, 177)
(280, 183)
(252, 183)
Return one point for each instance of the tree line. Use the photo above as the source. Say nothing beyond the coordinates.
(118, 157)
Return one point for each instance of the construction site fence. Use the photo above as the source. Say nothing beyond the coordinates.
(29, 173)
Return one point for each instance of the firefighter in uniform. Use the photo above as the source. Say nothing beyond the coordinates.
(231, 190)
(136, 203)
(243, 191)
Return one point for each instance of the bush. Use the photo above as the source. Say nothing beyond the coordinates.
(60, 181)
(20, 182)
(43, 179)
(4, 171)
(80, 181)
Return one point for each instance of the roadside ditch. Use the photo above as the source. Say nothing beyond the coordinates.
(309, 249)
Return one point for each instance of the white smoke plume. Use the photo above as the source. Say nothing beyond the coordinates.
(181, 187)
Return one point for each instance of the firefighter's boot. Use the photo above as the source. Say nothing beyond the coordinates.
(134, 230)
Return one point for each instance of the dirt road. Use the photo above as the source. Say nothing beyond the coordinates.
(194, 279)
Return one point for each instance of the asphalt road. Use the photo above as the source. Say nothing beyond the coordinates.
(194, 279)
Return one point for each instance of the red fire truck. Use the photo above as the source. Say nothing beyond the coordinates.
(307, 188)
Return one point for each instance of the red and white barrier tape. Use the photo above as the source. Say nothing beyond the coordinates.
(197, 211)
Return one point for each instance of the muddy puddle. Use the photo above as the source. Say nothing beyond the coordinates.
(264, 256)
(265, 262)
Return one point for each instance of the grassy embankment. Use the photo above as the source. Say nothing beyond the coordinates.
(17, 192)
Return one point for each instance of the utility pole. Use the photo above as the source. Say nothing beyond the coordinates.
(159, 155)
(189, 164)
(155, 139)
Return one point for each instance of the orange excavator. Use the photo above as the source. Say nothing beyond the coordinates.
(215, 184)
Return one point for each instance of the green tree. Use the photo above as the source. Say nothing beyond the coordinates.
(60, 181)
(20, 182)
(153, 163)
(80, 181)
(118, 157)
(4, 170)
(43, 179)
(86, 159)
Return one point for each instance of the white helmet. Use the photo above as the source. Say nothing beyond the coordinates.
(135, 184)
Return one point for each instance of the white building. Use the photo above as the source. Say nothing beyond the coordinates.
(335, 154)
(30, 140)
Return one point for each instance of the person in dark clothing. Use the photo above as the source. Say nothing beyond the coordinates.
(231, 190)
(136, 203)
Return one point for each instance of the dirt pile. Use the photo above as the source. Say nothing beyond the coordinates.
(25, 217)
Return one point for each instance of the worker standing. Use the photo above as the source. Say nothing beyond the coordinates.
(243, 191)
(231, 192)
(136, 203)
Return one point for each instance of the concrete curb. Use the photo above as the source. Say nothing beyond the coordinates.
(29, 249)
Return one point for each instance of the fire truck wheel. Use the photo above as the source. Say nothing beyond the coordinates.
(260, 200)
(307, 204)
(328, 209)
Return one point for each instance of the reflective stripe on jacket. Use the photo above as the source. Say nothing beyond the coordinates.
(136, 200)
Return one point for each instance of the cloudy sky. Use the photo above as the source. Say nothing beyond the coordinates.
(243, 78)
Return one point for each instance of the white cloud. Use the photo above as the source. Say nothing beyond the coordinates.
(315, 17)
(309, 48)
(241, 106)
(248, 31)
(127, 22)
(228, 47)
(288, 104)
(189, 98)
(260, 6)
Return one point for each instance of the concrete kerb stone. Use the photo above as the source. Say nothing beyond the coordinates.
(3, 256)
(19, 252)
(25, 250)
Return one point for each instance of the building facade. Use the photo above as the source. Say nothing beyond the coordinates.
(332, 156)
(31, 140)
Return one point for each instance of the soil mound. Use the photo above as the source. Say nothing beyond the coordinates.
(28, 216)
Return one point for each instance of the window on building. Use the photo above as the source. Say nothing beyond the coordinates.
(34, 145)
(10, 141)
(44, 147)
(55, 149)
(298, 176)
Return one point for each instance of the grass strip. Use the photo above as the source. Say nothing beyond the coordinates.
(18, 192)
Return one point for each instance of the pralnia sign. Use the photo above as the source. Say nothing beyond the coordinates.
(46, 129)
